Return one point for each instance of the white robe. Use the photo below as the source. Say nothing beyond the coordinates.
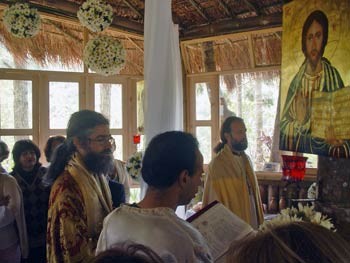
(12, 220)
(158, 228)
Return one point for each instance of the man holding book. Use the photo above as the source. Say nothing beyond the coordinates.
(172, 167)
(231, 179)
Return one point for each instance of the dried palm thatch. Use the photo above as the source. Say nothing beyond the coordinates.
(60, 42)
(235, 52)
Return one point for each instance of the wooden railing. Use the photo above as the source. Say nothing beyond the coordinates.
(277, 194)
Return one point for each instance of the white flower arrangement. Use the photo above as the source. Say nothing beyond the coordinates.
(104, 55)
(302, 213)
(133, 165)
(96, 15)
(21, 20)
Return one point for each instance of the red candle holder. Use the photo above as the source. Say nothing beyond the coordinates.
(137, 138)
(294, 167)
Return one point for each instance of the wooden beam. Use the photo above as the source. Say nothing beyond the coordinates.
(68, 10)
(226, 8)
(135, 44)
(232, 26)
(133, 8)
(199, 10)
(252, 7)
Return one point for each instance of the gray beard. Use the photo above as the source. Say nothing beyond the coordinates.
(99, 163)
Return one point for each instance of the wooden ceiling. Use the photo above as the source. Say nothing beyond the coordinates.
(196, 18)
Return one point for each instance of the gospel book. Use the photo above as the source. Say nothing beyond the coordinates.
(330, 115)
(220, 227)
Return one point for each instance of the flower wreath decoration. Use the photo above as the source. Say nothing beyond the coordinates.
(134, 164)
(96, 15)
(21, 20)
(302, 213)
(104, 55)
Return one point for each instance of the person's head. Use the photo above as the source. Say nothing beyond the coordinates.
(292, 243)
(173, 158)
(128, 253)
(4, 151)
(90, 134)
(233, 133)
(314, 36)
(87, 134)
(51, 145)
(25, 155)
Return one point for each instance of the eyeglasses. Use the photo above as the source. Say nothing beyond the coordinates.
(103, 140)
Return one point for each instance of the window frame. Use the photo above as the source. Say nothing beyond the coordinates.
(40, 100)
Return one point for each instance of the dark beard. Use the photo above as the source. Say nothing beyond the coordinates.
(99, 163)
(240, 146)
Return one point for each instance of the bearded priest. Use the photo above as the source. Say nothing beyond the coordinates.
(231, 179)
(80, 197)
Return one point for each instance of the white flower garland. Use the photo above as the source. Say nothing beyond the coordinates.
(21, 20)
(104, 55)
(133, 165)
(96, 15)
(302, 213)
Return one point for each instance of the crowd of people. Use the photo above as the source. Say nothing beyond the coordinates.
(77, 208)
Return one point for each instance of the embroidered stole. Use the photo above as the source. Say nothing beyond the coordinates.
(96, 195)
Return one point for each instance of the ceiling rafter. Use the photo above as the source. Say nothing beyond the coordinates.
(133, 8)
(226, 8)
(135, 44)
(199, 10)
(252, 7)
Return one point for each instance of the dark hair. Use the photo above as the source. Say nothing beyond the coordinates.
(320, 18)
(4, 151)
(166, 156)
(292, 243)
(226, 128)
(22, 146)
(80, 125)
(132, 253)
(48, 146)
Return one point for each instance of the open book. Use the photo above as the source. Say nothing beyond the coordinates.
(220, 227)
(330, 115)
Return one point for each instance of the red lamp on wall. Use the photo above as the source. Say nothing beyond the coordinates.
(136, 138)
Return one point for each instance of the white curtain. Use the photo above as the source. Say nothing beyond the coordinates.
(162, 70)
(163, 75)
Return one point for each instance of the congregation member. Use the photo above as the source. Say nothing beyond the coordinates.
(29, 174)
(172, 167)
(4, 154)
(80, 197)
(13, 232)
(231, 179)
(291, 242)
(51, 145)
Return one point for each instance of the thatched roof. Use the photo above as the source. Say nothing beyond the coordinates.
(62, 37)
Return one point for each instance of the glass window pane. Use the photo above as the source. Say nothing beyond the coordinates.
(203, 107)
(141, 145)
(203, 135)
(64, 100)
(118, 153)
(16, 108)
(312, 160)
(108, 101)
(10, 141)
(253, 97)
